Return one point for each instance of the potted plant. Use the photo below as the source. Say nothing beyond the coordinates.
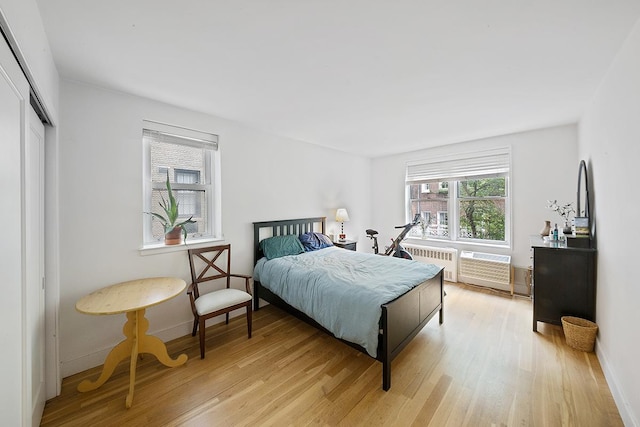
(172, 228)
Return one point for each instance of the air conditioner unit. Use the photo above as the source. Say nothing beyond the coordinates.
(484, 269)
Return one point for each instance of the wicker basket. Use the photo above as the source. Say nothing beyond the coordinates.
(579, 333)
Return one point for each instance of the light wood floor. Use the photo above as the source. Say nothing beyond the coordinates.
(483, 367)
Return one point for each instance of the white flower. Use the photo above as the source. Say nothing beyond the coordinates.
(564, 211)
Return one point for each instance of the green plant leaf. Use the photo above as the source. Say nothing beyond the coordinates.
(170, 206)
(173, 205)
(158, 217)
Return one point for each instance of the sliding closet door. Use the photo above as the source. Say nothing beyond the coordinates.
(34, 287)
(15, 396)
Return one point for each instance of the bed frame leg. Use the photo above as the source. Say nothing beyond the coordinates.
(256, 296)
(386, 375)
(442, 295)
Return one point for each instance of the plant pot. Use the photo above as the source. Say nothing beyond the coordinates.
(173, 237)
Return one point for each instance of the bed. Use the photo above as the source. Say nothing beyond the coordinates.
(400, 319)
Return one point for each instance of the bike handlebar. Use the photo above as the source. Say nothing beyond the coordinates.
(416, 219)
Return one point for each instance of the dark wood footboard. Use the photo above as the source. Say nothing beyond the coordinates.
(402, 319)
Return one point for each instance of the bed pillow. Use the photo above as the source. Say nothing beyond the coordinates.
(313, 241)
(279, 246)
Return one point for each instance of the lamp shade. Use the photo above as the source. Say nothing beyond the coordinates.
(342, 215)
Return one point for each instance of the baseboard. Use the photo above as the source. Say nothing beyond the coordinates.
(622, 403)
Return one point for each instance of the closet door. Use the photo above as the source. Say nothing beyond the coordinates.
(15, 399)
(34, 287)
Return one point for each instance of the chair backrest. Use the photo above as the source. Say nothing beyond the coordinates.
(210, 263)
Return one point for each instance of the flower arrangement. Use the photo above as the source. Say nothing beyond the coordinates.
(563, 210)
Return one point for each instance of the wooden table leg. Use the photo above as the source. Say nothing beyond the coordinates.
(154, 345)
(134, 358)
(115, 356)
(135, 343)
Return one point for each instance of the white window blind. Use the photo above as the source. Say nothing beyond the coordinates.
(160, 132)
(487, 163)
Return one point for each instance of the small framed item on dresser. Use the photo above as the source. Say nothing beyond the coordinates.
(582, 236)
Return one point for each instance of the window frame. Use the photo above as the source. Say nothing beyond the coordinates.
(211, 184)
(453, 169)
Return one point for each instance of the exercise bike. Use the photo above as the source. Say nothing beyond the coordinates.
(396, 248)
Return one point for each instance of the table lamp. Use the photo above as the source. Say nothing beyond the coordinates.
(342, 216)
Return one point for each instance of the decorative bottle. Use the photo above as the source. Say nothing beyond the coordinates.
(555, 233)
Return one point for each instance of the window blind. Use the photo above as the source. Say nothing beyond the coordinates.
(160, 132)
(487, 163)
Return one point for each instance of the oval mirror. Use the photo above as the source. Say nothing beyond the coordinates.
(583, 191)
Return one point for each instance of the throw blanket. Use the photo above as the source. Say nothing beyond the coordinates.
(342, 290)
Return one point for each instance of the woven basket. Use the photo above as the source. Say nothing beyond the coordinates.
(579, 333)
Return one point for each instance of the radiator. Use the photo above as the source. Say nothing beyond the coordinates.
(484, 269)
(443, 257)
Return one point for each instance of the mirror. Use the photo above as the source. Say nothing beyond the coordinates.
(583, 191)
(583, 218)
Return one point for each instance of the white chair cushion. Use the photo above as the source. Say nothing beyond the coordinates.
(218, 300)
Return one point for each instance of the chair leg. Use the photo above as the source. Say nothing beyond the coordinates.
(249, 314)
(195, 326)
(201, 338)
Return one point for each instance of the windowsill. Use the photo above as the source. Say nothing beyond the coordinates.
(425, 242)
(161, 248)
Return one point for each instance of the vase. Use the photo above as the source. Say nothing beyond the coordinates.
(545, 230)
(173, 237)
(566, 230)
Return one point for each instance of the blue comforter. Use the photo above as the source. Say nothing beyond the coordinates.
(342, 290)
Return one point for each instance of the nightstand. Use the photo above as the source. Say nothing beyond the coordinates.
(347, 244)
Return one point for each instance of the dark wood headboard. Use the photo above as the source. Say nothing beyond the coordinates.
(264, 229)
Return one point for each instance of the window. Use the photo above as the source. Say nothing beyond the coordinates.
(189, 201)
(428, 203)
(472, 199)
(443, 218)
(186, 176)
(190, 159)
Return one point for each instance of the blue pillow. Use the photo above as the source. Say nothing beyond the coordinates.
(279, 246)
(313, 241)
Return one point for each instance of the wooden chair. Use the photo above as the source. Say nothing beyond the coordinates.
(212, 263)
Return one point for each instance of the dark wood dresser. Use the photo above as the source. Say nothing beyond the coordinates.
(564, 282)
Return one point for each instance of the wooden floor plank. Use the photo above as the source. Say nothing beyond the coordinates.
(483, 366)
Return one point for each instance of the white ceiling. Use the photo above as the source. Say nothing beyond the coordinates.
(369, 76)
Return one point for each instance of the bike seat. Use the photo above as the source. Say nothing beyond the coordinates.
(371, 232)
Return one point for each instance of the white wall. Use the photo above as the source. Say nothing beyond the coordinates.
(609, 135)
(544, 166)
(263, 178)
